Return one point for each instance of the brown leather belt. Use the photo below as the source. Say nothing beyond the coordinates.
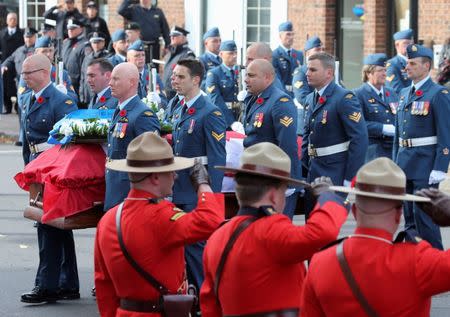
(140, 306)
(291, 312)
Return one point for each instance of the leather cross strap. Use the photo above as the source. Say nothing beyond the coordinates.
(154, 282)
(236, 233)
(352, 282)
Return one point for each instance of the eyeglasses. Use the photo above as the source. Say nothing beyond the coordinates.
(31, 72)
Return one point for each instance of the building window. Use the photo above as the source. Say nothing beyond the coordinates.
(35, 13)
(258, 21)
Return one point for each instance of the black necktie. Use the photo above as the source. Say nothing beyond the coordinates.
(413, 90)
(289, 52)
(316, 98)
(33, 100)
(95, 99)
(380, 95)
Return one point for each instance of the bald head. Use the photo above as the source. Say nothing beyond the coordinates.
(36, 71)
(259, 75)
(259, 50)
(11, 19)
(124, 81)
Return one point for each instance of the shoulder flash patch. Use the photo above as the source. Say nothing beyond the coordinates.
(284, 99)
(390, 78)
(69, 102)
(217, 113)
(211, 88)
(348, 96)
(148, 113)
(177, 216)
(445, 91)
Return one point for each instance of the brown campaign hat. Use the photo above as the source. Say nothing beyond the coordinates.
(265, 159)
(149, 153)
(380, 178)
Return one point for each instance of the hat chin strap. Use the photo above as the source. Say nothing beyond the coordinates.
(140, 180)
(384, 211)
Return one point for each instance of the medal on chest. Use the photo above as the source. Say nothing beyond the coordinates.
(420, 108)
(393, 106)
(324, 117)
(191, 126)
(258, 120)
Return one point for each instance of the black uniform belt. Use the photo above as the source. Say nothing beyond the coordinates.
(290, 312)
(140, 305)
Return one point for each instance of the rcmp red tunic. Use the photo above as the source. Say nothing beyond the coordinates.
(396, 279)
(155, 235)
(264, 270)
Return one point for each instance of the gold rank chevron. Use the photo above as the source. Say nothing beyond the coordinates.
(286, 121)
(217, 136)
(355, 116)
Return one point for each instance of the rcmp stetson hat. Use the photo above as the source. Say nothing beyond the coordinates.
(404, 35)
(213, 32)
(378, 59)
(285, 27)
(149, 153)
(265, 159)
(228, 46)
(380, 178)
(176, 31)
(43, 41)
(415, 50)
(312, 42)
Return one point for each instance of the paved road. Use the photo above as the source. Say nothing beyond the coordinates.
(18, 256)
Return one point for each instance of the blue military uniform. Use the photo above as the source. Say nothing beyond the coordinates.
(285, 60)
(335, 119)
(198, 132)
(300, 85)
(134, 119)
(118, 35)
(57, 260)
(105, 101)
(208, 59)
(172, 107)
(222, 86)
(378, 111)
(175, 54)
(422, 143)
(272, 117)
(396, 76)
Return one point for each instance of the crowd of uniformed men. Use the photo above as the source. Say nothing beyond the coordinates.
(280, 99)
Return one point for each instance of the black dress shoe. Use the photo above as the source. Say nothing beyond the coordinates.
(38, 295)
(18, 143)
(69, 294)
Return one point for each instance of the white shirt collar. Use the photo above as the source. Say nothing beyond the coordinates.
(193, 100)
(376, 90)
(12, 30)
(229, 68)
(321, 91)
(420, 83)
(209, 52)
(123, 58)
(101, 93)
(125, 102)
(39, 93)
(285, 48)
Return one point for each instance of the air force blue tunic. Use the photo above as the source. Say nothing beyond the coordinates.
(136, 119)
(377, 112)
(396, 77)
(222, 87)
(334, 119)
(285, 64)
(105, 101)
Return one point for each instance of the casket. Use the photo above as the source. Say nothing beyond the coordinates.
(84, 219)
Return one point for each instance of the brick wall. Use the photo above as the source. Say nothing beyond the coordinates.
(313, 18)
(434, 21)
(375, 26)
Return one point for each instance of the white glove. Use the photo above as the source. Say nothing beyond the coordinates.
(298, 104)
(61, 88)
(236, 126)
(241, 95)
(153, 97)
(388, 129)
(347, 183)
(436, 177)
